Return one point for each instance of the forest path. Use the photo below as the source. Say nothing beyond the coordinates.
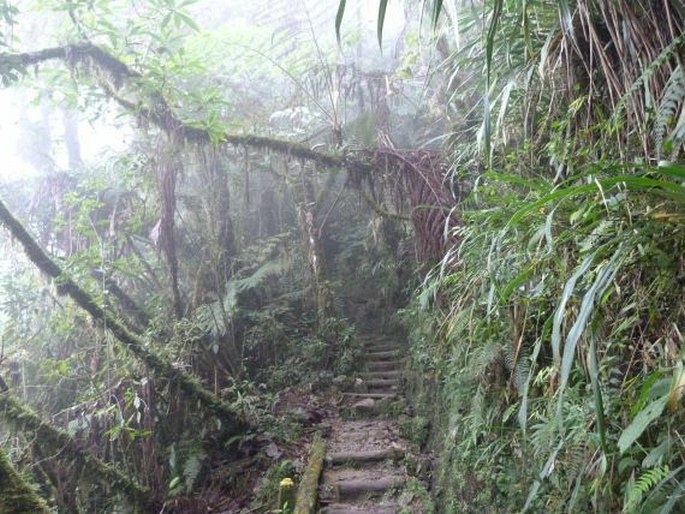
(364, 469)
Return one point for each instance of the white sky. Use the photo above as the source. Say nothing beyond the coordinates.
(95, 138)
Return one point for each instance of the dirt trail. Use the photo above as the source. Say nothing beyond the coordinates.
(364, 471)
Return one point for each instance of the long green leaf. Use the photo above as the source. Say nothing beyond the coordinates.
(671, 169)
(604, 277)
(638, 183)
(517, 281)
(677, 494)
(593, 367)
(518, 180)
(382, 6)
(561, 309)
(641, 422)
(437, 8)
(339, 17)
(546, 471)
(523, 410)
(489, 48)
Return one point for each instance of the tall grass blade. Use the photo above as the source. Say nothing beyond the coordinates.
(593, 367)
(382, 7)
(561, 309)
(546, 471)
(437, 9)
(604, 277)
(339, 17)
(523, 409)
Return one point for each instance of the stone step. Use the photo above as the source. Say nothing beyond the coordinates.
(353, 489)
(388, 373)
(385, 365)
(364, 456)
(373, 396)
(381, 356)
(346, 508)
(380, 346)
(382, 382)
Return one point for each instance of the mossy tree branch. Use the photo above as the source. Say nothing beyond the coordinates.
(16, 495)
(157, 111)
(23, 419)
(189, 384)
(308, 491)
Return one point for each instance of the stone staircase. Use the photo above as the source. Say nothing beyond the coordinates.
(363, 471)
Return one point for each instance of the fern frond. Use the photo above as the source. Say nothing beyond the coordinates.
(673, 96)
(484, 356)
(637, 490)
(192, 467)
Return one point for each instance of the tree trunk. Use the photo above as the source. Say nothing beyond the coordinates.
(189, 384)
(312, 233)
(16, 496)
(58, 442)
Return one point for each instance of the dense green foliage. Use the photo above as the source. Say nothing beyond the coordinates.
(192, 268)
(273, 188)
(551, 334)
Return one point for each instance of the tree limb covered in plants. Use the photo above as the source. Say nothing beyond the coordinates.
(160, 113)
(189, 384)
(22, 418)
(16, 495)
(423, 174)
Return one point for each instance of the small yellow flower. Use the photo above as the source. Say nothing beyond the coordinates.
(287, 482)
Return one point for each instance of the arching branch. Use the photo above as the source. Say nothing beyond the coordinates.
(189, 384)
(22, 418)
(156, 110)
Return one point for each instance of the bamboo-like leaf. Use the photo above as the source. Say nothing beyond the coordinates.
(339, 17)
(671, 169)
(638, 183)
(517, 281)
(503, 108)
(382, 6)
(523, 410)
(604, 277)
(492, 31)
(640, 423)
(437, 9)
(489, 48)
(561, 309)
(510, 178)
(546, 471)
(593, 368)
(676, 495)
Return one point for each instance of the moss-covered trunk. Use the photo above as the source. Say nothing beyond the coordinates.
(58, 442)
(16, 495)
(189, 384)
(311, 229)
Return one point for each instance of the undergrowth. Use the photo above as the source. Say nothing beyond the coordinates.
(550, 341)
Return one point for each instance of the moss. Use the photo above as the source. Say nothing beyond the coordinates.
(16, 495)
(189, 384)
(59, 442)
(308, 490)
